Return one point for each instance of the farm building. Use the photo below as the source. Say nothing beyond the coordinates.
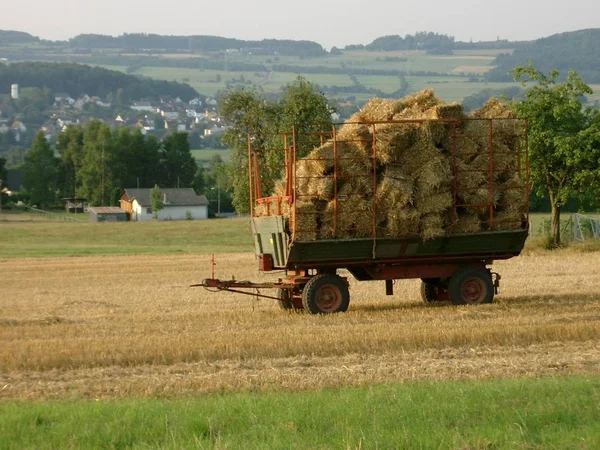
(75, 205)
(178, 204)
(107, 214)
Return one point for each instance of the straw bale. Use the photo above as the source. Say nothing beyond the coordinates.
(305, 221)
(432, 226)
(467, 222)
(505, 161)
(427, 202)
(478, 200)
(508, 220)
(395, 189)
(514, 196)
(467, 177)
(260, 209)
(353, 217)
(277, 207)
(435, 174)
(377, 110)
(421, 100)
(416, 156)
(493, 109)
(462, 145)
(392, 139)
(402, 221)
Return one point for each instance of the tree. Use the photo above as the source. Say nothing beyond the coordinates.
(302, 106)
(156, 203)
(41, 170)
(96, 174)
(70, 147)
(564, 144)
(177, 164)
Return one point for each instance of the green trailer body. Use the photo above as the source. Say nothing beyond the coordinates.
(271, 238)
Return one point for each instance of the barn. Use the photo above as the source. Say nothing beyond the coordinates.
(107, 214)
(178, 204)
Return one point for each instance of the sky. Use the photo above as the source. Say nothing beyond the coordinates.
(330, 23)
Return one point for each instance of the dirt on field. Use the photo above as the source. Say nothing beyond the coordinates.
(110, 327)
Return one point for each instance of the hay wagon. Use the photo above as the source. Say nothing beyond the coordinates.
(346, 199)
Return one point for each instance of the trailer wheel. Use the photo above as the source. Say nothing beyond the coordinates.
(471, 286)
(285, 302)
(433, 290)
(325, 293)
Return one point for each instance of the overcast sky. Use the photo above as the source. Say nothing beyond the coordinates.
(329, 23)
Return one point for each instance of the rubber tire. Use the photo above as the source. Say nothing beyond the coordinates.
(314, 287)
(284, 301)
(481, 277)
(429, 288)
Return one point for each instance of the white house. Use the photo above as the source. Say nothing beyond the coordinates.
(169, 114)
(142, 106)
(178, 204)
(195, 102)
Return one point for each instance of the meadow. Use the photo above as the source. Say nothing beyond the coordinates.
(114, 349)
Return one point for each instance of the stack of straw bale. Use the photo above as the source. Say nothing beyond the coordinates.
(396, 179)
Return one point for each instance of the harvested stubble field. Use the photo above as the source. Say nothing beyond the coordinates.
(128, 326)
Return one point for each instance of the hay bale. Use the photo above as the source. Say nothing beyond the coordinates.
(432, 226)
(467, 222)
(478, 201)
(391, 140)
(377, 110)
(394, 189)
(352, 218)
(304, 221)
(508, 220)
(402, 221)
(493, 109)
(434, 175)
(427, 202)
(419, 101)
(514, 196)
(505, 162)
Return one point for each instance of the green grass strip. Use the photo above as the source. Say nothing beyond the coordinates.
(48, 239)
(549, 413)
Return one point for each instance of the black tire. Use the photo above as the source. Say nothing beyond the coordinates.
(285, 302)
(471, 286)
(430, 290)
(325, 294)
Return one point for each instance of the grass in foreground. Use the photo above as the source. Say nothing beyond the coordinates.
(41, 239)
(526, 413)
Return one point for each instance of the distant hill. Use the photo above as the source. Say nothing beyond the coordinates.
(8, 37)
(142, 41)
(574, 50)
(78, 79)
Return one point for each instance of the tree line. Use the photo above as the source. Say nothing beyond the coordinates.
(135, 41)
(97, 163)
(78, 79)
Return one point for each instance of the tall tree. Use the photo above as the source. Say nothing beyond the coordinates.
(564, 150)
(247, 113)
(177, 164)
(301, 107)
(41, 172)
(70, 147)
(96, 174)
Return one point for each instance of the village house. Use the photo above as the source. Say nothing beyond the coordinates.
(142, 106)
(178, 204)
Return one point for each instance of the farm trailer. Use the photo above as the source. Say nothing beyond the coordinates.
(454, 267)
